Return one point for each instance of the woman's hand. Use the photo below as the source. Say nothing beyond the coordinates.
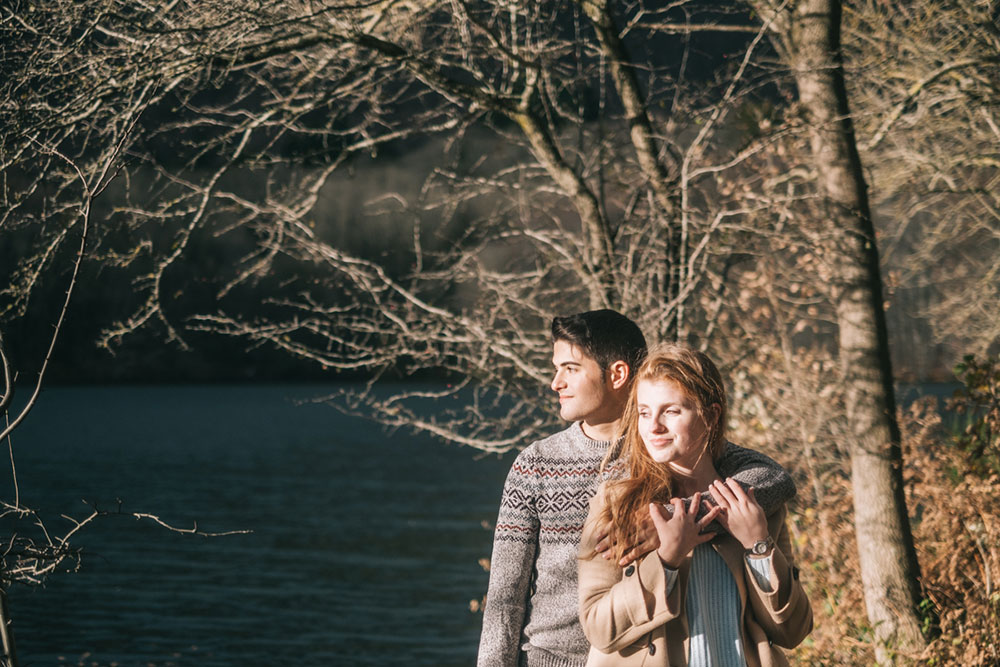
(681, 532)
(742, 515)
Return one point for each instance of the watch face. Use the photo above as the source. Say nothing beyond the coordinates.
(759, 547)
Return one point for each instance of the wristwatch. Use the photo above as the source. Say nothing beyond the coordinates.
(761, 547)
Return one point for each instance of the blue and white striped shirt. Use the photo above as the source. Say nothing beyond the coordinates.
(713, 607)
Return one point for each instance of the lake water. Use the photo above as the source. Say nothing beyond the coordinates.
(364, 550)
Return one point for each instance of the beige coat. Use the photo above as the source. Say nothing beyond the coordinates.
(629, 619)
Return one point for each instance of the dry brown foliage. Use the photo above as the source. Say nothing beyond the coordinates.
(956, 524)
(957, 528)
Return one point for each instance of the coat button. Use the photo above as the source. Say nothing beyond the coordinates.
(652, 649)
(630, 570)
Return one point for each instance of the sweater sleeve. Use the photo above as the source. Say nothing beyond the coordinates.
(515, 543)
(773, 487)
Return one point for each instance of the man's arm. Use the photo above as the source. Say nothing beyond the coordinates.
(773, 487)
(515, 544)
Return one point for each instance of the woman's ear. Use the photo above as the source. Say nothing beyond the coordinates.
(619, 374)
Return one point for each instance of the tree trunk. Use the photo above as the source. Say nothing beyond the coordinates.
(8, 658)
(808, 37)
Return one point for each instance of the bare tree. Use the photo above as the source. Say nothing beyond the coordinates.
(561, 173)
(548, 157)
(72, 187)
(923, 82)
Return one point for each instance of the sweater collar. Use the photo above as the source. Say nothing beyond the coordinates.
(589, 443)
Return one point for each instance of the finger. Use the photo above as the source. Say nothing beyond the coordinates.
(720, 499)
(737, 490)
(723, 493)
(657, 514)
(709, 517)
(752, 503)
(645, 528)
(646, 544)
(701, 538)
(629, 556)
(648, 538)
(603, 544)
(678, 505)
(695, 504)
(650, 542)
(715, 494)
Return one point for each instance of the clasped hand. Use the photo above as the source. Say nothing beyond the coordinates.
(681, 531)
(741, 515)
(737, 511)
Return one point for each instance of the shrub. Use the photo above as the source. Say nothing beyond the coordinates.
(977, 403)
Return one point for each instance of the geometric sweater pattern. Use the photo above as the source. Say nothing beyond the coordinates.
(531, 615)
(531, 600)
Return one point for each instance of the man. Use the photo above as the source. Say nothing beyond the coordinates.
(532, 615)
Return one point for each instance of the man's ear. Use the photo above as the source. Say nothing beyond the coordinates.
(619, 374)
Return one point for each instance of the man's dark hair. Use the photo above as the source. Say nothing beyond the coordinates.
(606, 336)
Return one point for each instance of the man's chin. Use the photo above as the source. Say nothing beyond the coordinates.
(568, 416)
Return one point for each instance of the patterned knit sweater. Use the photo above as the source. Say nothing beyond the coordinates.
(531, 602)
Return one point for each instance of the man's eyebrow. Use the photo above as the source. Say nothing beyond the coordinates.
(567, 363)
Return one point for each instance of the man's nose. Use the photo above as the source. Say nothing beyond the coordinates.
(557, 382)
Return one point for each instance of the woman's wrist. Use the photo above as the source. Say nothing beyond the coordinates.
(761, 547)
(749, 542)
(670, 561)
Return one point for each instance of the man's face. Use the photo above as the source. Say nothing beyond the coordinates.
(583, 388)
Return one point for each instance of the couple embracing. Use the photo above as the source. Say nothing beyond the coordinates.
(640, 535)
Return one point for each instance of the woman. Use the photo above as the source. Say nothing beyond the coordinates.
(702, 598)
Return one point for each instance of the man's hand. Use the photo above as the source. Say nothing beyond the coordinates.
(649, 540)
(681, 532)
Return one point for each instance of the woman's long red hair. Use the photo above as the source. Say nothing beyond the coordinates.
(649, 481)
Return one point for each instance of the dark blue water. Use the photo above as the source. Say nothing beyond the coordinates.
(364, 550)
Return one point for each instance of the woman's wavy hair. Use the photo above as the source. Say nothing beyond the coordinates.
(649, 481)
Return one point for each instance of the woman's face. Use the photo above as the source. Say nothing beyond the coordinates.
(669, 424)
